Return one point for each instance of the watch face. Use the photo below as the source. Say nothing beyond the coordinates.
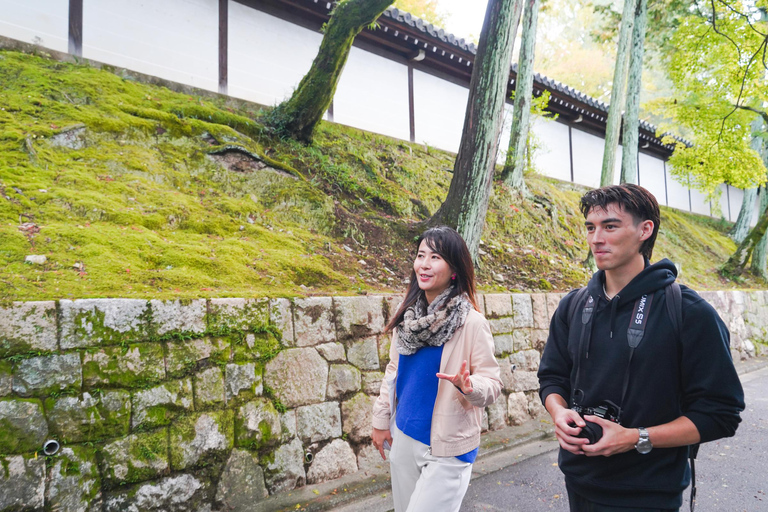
(644, 446)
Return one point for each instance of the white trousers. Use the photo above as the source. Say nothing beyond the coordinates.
(422, 482)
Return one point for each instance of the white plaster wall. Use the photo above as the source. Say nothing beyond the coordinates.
(723, 202)
(174, 39)
(737, 197)
(652, 176)
(506, 130)
(677, 193)
(616, 162)
(700, 203)
(439, 108)
(587, 158)
(553, 157)
(267, 77)
(373, 95)
(42, 22)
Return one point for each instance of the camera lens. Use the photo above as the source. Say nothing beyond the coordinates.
(592, 432)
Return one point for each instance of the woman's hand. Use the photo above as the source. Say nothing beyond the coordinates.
(380, 437)
(460, 380)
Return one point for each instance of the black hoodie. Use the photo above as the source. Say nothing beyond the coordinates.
(668, 378)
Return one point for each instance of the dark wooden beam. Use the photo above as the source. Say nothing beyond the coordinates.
(223, 45)
(76, 27)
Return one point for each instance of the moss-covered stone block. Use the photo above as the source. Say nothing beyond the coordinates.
(27, 327)
(238, 314)
(185, 356)
(243, 381)
(209, 388)
(74, 482)
(132, 366)
(298, 376)
(41, 376)
(257, 424)
(135, 458)
(358, 317)
(179, 316)
(22, 426)
(260, 346)
(159, 405)
(201, 439)
(177, 493)
(22, 483)
(90, 417)
(6, 378)
(95, 322)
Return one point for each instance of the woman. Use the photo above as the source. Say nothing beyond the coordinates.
(441, 374)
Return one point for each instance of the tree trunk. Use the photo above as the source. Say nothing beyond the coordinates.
(514, 166)
(738, 260)
(467, 201)
(613, 124)
(739, 230)
(298, 116)
(760, 254)
(634, 85)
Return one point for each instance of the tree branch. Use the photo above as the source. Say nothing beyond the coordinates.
(761, 113)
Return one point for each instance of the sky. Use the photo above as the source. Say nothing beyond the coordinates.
(466, 16)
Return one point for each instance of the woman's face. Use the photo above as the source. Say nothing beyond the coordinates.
(432, 272)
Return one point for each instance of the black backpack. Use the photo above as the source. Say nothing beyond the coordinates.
(674, 297)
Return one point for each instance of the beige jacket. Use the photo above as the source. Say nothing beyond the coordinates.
(456, 418)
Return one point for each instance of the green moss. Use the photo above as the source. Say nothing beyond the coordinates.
(259, 346)
(184, 357)
(133, 366)
(143, 210)
(92, 418)
(183, 434)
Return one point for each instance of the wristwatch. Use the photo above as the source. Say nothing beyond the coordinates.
(643, 445)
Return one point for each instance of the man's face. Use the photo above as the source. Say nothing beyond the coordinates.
(614, 238)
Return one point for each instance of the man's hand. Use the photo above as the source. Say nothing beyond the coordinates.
(460, 380)
(568, 425)
(616, 439)
(379, 437)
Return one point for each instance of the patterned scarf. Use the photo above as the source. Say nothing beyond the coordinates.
(431, 325)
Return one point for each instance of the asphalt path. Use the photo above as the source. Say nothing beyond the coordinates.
(731, 474)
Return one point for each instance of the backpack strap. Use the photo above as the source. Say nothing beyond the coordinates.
(579, 299)
(675, 312)
(675, 308)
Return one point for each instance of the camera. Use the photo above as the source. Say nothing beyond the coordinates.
(606, 410)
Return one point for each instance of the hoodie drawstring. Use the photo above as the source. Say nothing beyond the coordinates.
(614, 306)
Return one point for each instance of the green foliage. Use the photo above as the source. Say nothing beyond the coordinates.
(717, 75)
(428, 10)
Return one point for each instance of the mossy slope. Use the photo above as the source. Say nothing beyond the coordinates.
(121, 185)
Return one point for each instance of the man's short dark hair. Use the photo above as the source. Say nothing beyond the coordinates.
(633, 199)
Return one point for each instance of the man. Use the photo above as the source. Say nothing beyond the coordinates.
(615, 345)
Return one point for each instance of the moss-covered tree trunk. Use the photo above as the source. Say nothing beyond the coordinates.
(467, 201)
(514, 166)
(759, 265)
(631, 134)
(760, 254)
(613, 124)
(298, 116)
(739, 230)
(738, 260)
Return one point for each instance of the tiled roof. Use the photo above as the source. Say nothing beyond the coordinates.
(543, 81)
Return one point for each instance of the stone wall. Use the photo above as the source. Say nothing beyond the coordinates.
(215, 404)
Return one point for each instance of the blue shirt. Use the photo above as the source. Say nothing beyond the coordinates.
(416, 394)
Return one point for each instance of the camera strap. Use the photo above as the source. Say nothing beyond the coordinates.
(635, 333)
